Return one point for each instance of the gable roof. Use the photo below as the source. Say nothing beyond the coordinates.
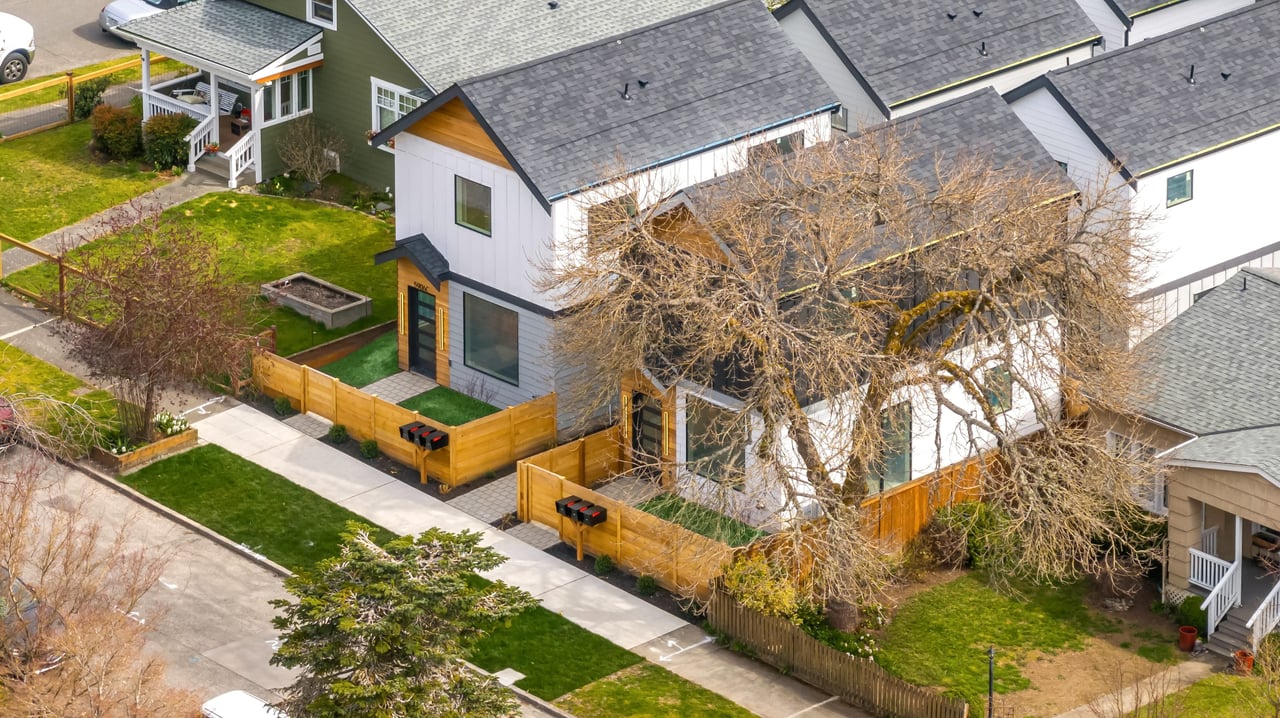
(235, 34)
(905, 49)
(1257, 448)
(446, 41)
(1134, 8)
(1140, 103)
(709, 77)
(1216, 367)
(422, 253)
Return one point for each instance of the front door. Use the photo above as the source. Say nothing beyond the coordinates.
(646, 433)
(422, 332)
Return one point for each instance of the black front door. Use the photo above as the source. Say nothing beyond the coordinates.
(422, 333)
(646, 433)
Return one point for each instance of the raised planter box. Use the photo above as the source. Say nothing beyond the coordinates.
(319, 300)
(120, 464)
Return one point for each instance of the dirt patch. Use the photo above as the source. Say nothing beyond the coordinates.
(318, 294)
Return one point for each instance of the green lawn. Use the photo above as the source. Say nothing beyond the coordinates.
(701, 520)
(49, 181)
(1221, 695)
(248, 504)
(555, 655)
(648, 690)
(448, 406)
(265, 238)
(953, 624)
(25, 375)
(371, 362)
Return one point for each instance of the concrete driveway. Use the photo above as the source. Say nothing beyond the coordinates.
(67, 34)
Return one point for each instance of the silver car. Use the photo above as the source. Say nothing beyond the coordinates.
(118, 12)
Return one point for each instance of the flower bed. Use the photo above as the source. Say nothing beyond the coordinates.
(125, 462)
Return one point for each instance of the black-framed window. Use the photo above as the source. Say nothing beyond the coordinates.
(999, 388)
(1178, 189)
(713, 443)
(491, 339)
(893, 466)
(784, 145)
(473, 205)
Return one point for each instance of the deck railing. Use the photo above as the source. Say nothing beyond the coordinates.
(1222, 598)
(242, 156)
(1209, 540)
(1264, 619)
(1207, 570)
(198, 140)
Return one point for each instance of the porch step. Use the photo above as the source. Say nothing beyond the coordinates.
(220, 167)
(1231, 634)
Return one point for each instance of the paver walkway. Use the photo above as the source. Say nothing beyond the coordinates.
(580, 597)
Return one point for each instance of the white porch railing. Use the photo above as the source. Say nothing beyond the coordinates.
(1264, 619)
(1207, 570)
(199, 138)
(161, 104)
(242, 156)
(1223, 597)
(1209, 540)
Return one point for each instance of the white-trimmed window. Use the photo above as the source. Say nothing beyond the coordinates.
(1178, 188)
(323, 13)
(390, 103)
(714, 442)
(1154, 495)
(286, 97)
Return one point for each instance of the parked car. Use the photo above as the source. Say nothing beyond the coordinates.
(26, 620)
(238, 704)
(17, 47)
(118, 12)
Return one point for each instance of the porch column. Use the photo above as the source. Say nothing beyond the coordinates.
(1239, 555)
(213, 108)
(146, 85)
(256, 117)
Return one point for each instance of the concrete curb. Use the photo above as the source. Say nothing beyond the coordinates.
(174, 516)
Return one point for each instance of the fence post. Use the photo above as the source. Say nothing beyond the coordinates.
(62, 286)
(71, 96)
(334, 388)
(306, 380)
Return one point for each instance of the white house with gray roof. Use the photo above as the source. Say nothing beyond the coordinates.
(1186, 120)
(1211, 413)
(888, 58)
(495, 171)
(1124, 22)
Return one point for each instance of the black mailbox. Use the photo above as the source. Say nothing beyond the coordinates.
(581, 510)
(593, 515)
(421, 433)
(436, 439)
(408, 432)
(564, 506)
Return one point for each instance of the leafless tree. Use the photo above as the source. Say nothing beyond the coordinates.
(310, 148)
(819, 290)
(162, 314)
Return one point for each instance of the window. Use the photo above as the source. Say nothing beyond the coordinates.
(304, 91)
(1178, 189)
(491, 339)
(268, 103)
(472, 203)
(999, 388)
(840, 119)
(286, 97)
(1063, 167)
(1153, 494)
(784, 145)
(893, 466)
(711, 448)
(323, 12)
(604, 216)
(390, 103)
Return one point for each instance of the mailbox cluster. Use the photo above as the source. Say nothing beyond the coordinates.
(581, 510)
(428, 437)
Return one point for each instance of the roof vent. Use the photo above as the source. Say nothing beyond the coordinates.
(626, 92)
(1225, 75)
(982, 49)
(553, 4)
(1191, 78)
(642, 83)
(951, 16)
(977, 13)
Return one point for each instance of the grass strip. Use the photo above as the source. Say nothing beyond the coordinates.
(371, 362)
(648, 690)
(701, 520)
(448, 406)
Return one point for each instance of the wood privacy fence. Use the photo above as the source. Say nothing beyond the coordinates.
(857, 681)
(896, 516)
(678, 559)
(475, 448)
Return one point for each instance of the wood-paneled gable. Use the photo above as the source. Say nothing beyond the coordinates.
(453, 126)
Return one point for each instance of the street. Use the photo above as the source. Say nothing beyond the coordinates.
(67, 34)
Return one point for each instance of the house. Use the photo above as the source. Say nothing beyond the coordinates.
(495, 171)
(1211, 414)
(675, 419)
(888, 58)
(355, 65)
(1184, 119)
(1125, 22)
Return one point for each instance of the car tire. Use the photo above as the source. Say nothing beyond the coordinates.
(13, 69)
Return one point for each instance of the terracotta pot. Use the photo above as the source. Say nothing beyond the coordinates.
(1244, 662)
(1187, 638)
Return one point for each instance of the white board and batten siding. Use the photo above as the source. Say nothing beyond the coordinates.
(537, 370)
(862, 110)
(1180, 15)
(1062, 138)
(1106, 20)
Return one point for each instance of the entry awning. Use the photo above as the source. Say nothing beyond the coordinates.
(249, 40)
(424, 255)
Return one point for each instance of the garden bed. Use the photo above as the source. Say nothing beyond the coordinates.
(318, 300)
(162, 448)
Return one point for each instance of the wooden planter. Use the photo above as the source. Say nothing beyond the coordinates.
(160, 448)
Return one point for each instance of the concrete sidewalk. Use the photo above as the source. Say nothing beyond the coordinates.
(580, 597)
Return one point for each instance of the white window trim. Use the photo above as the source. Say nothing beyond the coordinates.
(328, 25)
(1117, 441)
(275, 95)
(374, 85)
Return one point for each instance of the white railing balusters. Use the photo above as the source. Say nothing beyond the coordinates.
(242, 156)
(198, 139)
(1264, 619)
(1224, 595)
(1209, 540)
(1207, 570)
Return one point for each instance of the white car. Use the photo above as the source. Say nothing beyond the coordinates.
(118, 12)
(17, 47)
(238, 704)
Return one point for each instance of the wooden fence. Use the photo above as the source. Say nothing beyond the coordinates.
(896, 516)
(475, 449)
(678, 559)
(857, 681)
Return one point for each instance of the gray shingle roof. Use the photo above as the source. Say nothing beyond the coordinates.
(424, 255)
(446, 41)
(905, 48)
(1141, 105)
(1135, 7)
(1216, 367)
(1247, 447)
(709, 77)
(232, 33)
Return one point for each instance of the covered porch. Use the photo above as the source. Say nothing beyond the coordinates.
(253, 71)
(1234, 569)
